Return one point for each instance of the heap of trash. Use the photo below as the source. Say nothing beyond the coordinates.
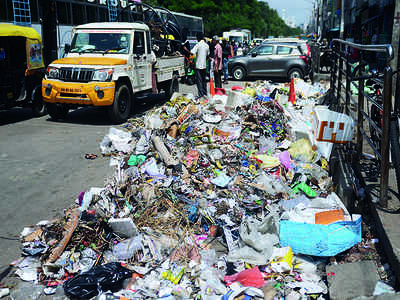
(226, 197)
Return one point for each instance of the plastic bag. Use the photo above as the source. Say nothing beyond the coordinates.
(127, 248)
(302, 150)
(107, 277)
(116, 140)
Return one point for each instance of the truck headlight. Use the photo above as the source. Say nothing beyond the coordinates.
(103, 75)
(52, 72)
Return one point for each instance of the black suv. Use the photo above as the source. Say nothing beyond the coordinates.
(274, 59)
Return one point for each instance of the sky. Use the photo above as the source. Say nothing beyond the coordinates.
(300, 9)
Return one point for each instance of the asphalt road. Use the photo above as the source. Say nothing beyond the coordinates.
(43, 169)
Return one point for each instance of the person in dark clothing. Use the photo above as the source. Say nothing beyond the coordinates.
(226, 54)
(217, 62)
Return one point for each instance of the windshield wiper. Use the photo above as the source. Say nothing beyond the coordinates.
(115, 48)
(90, 50)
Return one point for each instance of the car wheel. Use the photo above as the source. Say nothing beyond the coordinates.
(38, 106)
(57, 110)
(295, 73)
(239, 73)
(120, 110)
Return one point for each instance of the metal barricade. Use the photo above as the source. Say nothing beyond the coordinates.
(348, 78)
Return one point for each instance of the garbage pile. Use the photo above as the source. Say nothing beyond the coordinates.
(220, 198)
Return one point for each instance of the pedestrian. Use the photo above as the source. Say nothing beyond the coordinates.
(217, 62)
(226, 54)
(202, 51)
(234, 47)
(154, 70)
(239, 50)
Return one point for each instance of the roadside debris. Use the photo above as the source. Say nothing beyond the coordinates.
(224, 198)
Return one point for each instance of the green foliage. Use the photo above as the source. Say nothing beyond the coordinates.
(224, 15)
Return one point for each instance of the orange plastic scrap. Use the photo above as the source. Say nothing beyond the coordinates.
(69, 229)
(330, 216)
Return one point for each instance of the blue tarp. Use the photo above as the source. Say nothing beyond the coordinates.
(320, 240)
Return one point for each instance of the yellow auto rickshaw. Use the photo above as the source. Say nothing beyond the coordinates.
(21, 68)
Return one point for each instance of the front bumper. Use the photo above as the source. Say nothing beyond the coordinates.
(92, 93)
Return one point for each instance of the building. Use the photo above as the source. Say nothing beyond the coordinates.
(365, 21)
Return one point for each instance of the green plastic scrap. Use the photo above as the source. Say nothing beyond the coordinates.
(302, 186)
(136, 160)
(128, 205)
(171, 195)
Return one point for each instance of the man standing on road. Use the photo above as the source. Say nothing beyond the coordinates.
(217, 62)
(201, 50)
(226, 54)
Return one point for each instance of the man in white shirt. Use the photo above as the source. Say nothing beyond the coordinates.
(201, 50)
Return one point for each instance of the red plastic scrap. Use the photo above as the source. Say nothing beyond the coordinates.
(250, 277)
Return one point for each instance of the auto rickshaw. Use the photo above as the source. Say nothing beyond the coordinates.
(21, 68)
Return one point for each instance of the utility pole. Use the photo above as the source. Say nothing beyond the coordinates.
(342, 19)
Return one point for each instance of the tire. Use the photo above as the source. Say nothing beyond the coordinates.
(38, 105)
(238, 73)
(120, 110)
(171, 87)
(190, 80)
(295, 73)
(57, 110)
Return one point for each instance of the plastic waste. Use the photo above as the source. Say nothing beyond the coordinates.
(136, 160)
(282, 260)
(116, 140)
(302, 150)
(154, 121)
(127, 248)
(124, 227)
(258, 239)
(250, 277)
(87, 260)
(208, 257)
(108, 277)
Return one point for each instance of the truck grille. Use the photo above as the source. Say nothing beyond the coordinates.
(76, 74)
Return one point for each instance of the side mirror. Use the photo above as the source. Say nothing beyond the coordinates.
(139, 50)
(254, 54)
(67, 48)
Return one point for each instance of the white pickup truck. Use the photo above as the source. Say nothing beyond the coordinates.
(108, 64)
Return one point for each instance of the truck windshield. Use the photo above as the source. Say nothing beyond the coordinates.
(110, 42)
(236, 39)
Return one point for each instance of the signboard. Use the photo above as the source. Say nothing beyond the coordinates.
(34, 51)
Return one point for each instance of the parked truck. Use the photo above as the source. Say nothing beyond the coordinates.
(238, 35)
(108, 65)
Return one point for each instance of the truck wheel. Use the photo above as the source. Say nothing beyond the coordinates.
(239, 73)
(120, 110)
(38, 106)
(57, 110)
(172, 86)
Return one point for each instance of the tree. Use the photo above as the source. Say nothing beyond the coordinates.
(223, 15)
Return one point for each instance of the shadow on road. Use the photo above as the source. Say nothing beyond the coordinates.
(98, 115)
(15, 115)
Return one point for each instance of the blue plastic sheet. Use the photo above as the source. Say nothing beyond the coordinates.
(320, 240)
